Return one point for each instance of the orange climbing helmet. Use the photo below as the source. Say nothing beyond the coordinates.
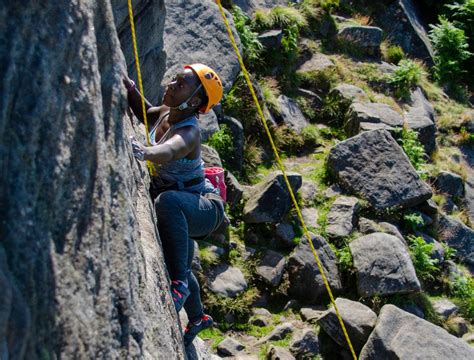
(211, 83)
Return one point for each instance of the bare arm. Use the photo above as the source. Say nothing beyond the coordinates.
(135, 103)
(181, 144)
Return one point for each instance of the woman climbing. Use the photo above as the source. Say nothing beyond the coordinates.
(188, 205)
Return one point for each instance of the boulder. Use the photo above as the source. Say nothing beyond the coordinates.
(444, 308)
(210, 156)
(350, 93)
(315, 100)
(279, 353)
(305, 281)
(270, 200)
(312, 314)
(367, 226)
(383, 265)
(229, 347)
(226, 281)
(249, 6)
(459, 237)
(285, 233)
(291, 114)
(234, 190)
(279, 333)
(236, 159)
(308, 191)
(305, 344)
(378, 115)
(457, 326)
(420, 116)
(271, 267)
(319, 62)
(358, 319)
(375, 167)
(310, 217)
(365, 38)
(271, 39)
(449, 183)
(403, 26)
(403, 336)
(342, 216)
(208, 125)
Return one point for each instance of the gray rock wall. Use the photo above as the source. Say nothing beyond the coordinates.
(81, 270)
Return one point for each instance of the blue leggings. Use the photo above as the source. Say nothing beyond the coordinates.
(181, 216)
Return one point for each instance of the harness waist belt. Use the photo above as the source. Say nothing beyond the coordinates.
(189, 183)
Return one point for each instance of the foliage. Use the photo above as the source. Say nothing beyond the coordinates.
(330, 5)
(407, 75)
(311, 136)
(279, 17)
(462, 288)
(420, 252)
(270, 93)
(344, 256)
(207, 257)
(252, 159)
(222, 142)
(394, 54)
(450, 48)
(449, 252)
(465, 137)
(414, 220)
(335, 111)
(463, 15)
(213, 334)
(251, 45)
(240, 307)
(414, 150)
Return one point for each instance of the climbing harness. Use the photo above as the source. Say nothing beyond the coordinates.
(282, 168)
(140, 84)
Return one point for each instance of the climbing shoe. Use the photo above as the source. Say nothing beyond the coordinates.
(196, 327)
(179, 293)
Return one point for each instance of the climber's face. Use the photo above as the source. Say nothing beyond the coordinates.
(180, 88)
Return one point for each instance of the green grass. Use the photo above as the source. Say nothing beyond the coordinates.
(213, 334)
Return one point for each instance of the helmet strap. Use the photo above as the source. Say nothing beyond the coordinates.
(184, 105)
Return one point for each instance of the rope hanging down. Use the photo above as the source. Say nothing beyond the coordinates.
(282, 168)
(140, 84)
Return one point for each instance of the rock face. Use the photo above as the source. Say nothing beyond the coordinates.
(421, 118)
(383, 265)
(291, 114)
(358, 319)
(458, 236)
(306, 283)
(81, 269)
(402, 336)
(374, 166)
(349, 93)
(270, 200)
(183, 46)
(367, 116)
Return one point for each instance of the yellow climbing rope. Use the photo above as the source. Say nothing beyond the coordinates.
(140, 84)
(282, 168)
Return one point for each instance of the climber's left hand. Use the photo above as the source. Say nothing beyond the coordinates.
(139, 150)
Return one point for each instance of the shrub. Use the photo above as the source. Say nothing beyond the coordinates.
(413, 220)
(463, 289)
(414, 150)
(345, 260)
(394, 54)
(251, 45)
(222, 142)
(420, 252)
(450, 49)
(270, 93)
(407, 75)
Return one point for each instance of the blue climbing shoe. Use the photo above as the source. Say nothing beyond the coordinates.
(195, 328)
(179, 293)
